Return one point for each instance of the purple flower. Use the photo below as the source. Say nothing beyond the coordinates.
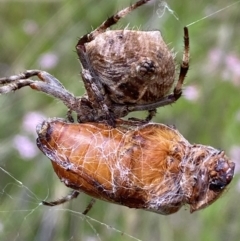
(26, 148)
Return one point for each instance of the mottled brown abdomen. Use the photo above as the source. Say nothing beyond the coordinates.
(134, 66)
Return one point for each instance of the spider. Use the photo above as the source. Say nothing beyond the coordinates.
(122, 70)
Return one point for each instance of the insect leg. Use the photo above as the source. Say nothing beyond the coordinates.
(72, 195)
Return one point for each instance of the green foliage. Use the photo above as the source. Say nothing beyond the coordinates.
(32, 29)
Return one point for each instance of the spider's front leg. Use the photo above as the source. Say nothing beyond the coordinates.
(97, 99)
(95, 90)
(15, 82)
(47, 84)
(108, 23)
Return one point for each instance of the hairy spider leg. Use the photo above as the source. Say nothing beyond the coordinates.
(51, 86)
(109, 22)
(47, 84)
(95, 90)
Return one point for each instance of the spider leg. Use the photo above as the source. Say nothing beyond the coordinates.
(86, 111)
(109, 22)
(51, 86)
(94, 93)
(177, 92)
(89, 206)
(69, 116)
(97, 98)
(46, 77)
(184, 66)
(62, 94)
(47, 84)
(72, 195)
(15, 82)
(151, 114)
(14, 85)
(87, 67)
(69, 197)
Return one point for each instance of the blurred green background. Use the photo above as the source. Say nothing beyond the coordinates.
(42, 35)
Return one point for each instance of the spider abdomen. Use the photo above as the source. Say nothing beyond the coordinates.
(134, 66)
